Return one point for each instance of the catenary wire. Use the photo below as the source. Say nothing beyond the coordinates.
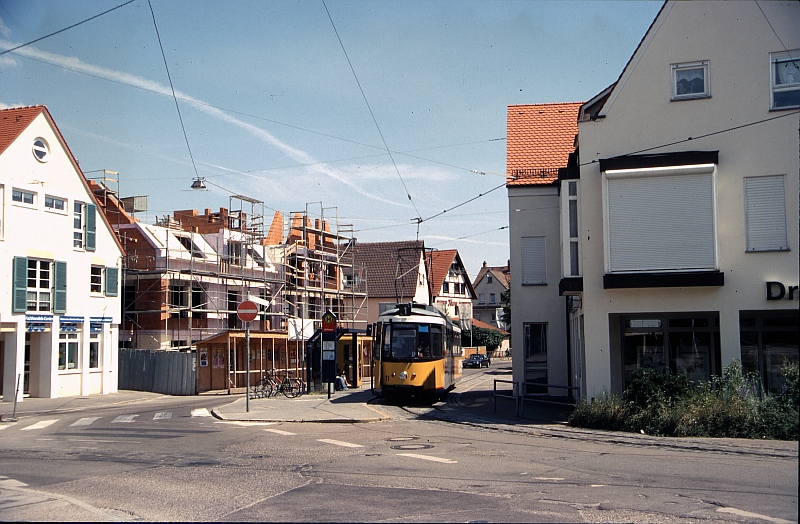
(375, 120)
(183, 128)
(65, 29)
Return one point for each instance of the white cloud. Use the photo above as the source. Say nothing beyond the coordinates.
(299, 156)
(445, 239)
(8, 60)
(4, 30)
(10, 106)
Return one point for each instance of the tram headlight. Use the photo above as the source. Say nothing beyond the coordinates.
(403, 375)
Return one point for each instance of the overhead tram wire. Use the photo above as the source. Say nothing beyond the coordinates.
(164, 56)
(372, 114)
(65, 29)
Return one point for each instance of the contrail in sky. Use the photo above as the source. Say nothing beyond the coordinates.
(299, 156)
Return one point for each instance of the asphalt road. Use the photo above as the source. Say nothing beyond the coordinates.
(165, 458)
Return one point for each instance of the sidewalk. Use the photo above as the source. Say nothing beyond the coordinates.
(344, 407)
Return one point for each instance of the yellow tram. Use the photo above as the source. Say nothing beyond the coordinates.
(414, 353)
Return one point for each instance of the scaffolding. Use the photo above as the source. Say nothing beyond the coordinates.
(187, 287)
(321, 272)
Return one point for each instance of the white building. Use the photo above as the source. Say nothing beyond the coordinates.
(688, 199)
(60, 308)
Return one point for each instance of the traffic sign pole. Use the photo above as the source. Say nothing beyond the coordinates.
(247, 311)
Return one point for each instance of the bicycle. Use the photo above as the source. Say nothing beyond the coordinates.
(291, 387)
(264, 388)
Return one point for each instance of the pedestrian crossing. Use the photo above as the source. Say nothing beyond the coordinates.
(86, 422)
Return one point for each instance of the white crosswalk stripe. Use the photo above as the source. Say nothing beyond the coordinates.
(86, 421)
(339, 443)
(280, 432)
(162, 415)
(428, 457)
(41, 424)
(201, 412)
(124, 419)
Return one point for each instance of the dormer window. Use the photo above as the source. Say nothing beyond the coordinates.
(690, 80)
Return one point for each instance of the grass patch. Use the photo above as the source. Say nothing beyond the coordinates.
(733, 405)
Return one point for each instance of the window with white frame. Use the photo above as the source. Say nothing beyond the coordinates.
(68, 351)
(56, 204)
(78, 224)
(570, 256)
(94, 351)
(25, 198)
(41, 149)
(765, 213)
(660, 219)
(534, 267)
(785, 79)
(96, 280)
(40, 281)
(690, 80)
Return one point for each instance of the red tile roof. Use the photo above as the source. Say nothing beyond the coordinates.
(14, 121)
(480, 324)
(501, 273)
(391, 267)
(540, 138)
(439, 263)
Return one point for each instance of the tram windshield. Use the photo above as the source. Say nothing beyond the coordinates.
(412, 341)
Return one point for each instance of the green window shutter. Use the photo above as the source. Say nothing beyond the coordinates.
(91, 226)
(112, 276)
(60, 287)
(20, 294)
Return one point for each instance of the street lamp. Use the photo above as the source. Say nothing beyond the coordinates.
(199, 183)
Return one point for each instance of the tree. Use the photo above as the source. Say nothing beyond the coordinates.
(491, 338)
(505, 299)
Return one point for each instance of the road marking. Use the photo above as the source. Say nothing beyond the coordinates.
(339, 443)
(244, 423)
(163, 415)
(548, 478)
(280, 432)
(598, 485)
(92, 440)
(428, 457)
(41, 424)
(3, 427)
(201, 412)
(85, 421)
(124, 419)
(748, 514)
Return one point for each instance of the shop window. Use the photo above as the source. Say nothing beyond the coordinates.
(690, 80)
(94, 351)
(785, 79)
(534, 267)
(765, 213)
(68, 351)
(768, 340)
(683, 344)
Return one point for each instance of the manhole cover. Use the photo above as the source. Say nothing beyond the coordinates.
(409, 447)
(401, 439)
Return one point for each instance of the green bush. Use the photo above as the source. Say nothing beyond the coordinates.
(733, 405)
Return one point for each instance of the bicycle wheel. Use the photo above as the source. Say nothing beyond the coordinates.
(301, 386)
(289, 388)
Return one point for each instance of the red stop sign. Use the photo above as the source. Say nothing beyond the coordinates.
(247, 311)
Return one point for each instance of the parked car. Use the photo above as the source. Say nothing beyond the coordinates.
(476, 361)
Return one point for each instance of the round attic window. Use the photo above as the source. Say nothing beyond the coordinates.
(41, 150)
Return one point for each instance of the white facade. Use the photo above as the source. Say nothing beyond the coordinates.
(60, 308)
(538, 315)
(686, 244)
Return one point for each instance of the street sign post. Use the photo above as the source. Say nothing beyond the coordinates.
(247, 311)
(328, 349)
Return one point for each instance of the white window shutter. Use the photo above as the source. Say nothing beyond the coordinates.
(534, 266)
(661, 223)
(765, 213)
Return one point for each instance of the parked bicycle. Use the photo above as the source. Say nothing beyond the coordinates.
(270, 386)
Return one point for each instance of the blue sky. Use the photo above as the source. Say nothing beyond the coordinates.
(273, 111)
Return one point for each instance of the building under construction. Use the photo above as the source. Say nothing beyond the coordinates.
(185, 275)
